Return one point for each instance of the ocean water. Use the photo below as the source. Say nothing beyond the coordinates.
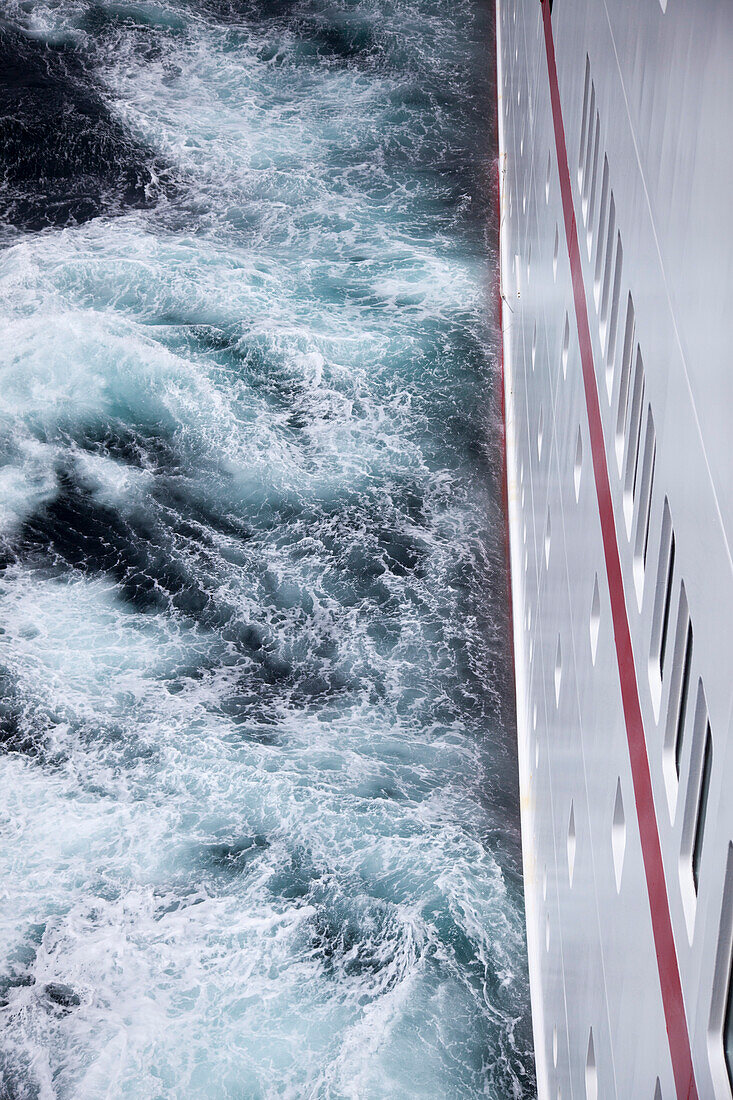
(258, 806)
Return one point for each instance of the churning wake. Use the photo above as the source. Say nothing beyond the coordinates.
(257, 782)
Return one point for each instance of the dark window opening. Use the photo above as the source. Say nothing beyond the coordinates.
(684, 692)
(702, 806)
(667, 603)
(649, 502)
(728, 1028)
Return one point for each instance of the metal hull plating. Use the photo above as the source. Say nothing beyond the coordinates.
(616, 278)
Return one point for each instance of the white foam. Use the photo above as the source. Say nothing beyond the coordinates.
(254, 838)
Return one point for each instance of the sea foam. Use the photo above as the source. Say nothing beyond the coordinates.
(259, 814)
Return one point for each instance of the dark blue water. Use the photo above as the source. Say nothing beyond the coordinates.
(257, 781)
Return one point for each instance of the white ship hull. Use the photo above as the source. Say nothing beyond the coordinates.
(617, 285)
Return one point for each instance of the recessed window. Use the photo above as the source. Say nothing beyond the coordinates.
(584, 127)
(623, 390)
(607, 266)
(548, 538)
(578, 464)
(591, 163)
(720, 1027)
(677, 703)
(702, 806)
(602, 223)
(618, 835)
(633, 440)
(650, 459)
(590, 214)
(643, 487)
(728, 1029)
(662, 606)
(667, 604)
(588, 149)
(684, 696)
(595, 620)
(665, 577)
(591, 1073)
(612, 329)
(565, 347)
(571, 844)
(692, 841)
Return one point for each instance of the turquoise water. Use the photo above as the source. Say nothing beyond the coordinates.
(257, 788)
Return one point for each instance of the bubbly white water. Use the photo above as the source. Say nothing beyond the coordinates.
(257, 789)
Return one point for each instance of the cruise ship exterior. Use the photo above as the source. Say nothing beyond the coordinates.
(616, 172)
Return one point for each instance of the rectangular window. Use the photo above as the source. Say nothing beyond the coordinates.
(677, 701)
(589, 148)
(644, 486)
(615, 296)
(692, 840)
(637, 480)
(720, 1025)
(633, 440)
(667, 605)
(623, 390)
(607, 268)
(728, 1028)
(602, 223)
(590, 215)
(702, 806)
(650, 493)
(648, 509)
(584, 127)
(634, 422)
(662, 608)
(684, 696)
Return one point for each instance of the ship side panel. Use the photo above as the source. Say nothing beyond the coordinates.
(660, 396)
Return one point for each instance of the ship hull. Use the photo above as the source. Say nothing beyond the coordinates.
(615, 271)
